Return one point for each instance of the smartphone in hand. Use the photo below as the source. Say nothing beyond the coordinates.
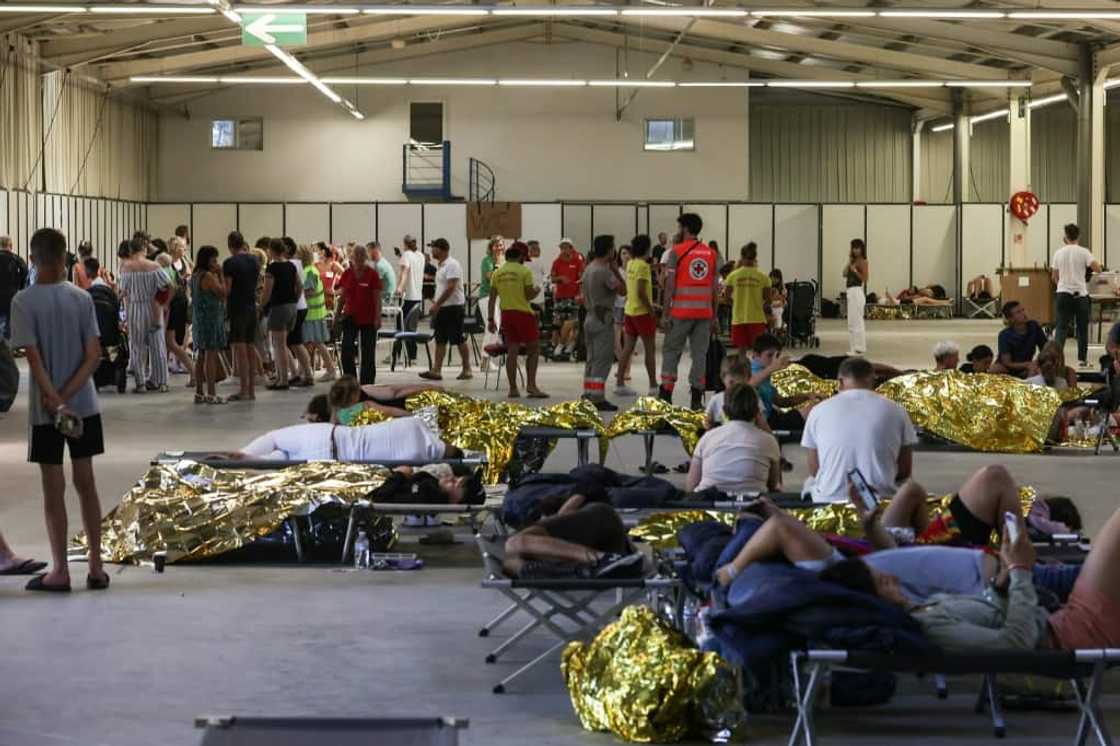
(866, 494)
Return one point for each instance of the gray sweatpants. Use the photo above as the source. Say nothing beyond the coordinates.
(695, 332)
(598, 337)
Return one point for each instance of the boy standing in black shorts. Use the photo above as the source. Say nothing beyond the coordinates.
(56, 325)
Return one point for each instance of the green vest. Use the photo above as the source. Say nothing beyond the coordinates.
(313, 292)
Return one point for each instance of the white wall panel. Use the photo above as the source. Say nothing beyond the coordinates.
(39, 216)
(643, 221)
(840, 224)
(888, 246)
(577, 225)
(308, 223)
(1111, 234)
(795, 241)
(663, 219)
(352, 222)
(619, 221)
(753, 223)
(257, 220)
(981, 244)
(164, 219)
(542, 223)
(935, 242)
(1038, 237)
(394, 222)
(1060, 214)
(450, 222)
(715, 228)
(212, 224)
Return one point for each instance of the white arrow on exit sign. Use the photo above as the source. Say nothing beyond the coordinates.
(285, 29)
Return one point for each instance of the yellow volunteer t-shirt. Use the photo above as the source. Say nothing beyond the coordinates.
(513, 281)
(636, 271)
(747, 286)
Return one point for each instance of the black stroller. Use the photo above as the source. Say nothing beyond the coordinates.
(800, 315)
(113, 369)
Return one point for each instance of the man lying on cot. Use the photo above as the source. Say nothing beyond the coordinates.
(919, 572)
(581, 536)
(400, 439)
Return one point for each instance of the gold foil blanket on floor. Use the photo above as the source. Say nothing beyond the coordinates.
(650, 413)
(796, 379)
(492, 427)
(645, 682)
(192, 511)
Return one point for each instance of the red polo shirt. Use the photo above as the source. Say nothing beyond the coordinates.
(571, 270)
(363, 295)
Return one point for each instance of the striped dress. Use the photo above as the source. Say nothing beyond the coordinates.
(147, 348)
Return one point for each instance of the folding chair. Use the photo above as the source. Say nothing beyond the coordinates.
(498, 352)
(390, 314)
(401, 338)
(811, 668)
(562, 607)
(981, 309)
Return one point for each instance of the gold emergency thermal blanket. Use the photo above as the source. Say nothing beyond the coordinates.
(492, 427)
(191, 510)
(796, 379)
(645, 682)
(650, 413)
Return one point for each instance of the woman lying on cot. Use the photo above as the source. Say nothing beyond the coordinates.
(931, 295)
(347, 398)
(1011, 618)
(400, 439)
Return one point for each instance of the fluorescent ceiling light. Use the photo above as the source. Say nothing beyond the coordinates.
(810, 84)
(723, 84)
(545, 83)
(365, 81)
(942, 14)
(452, 81)
(172, 79)
(988, 83)
(624, 83)
(812, 13)
(42, 9)
(262, 79)
(941, 128)
(697, 12)
(555, 11)
(181, 10)
(990, 115)
(425, 10)
(1040, 102)
(1059, 15)
(900, 84)
(309, 10)
(1111, 83)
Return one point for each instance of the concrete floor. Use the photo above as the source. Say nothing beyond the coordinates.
(137, 664)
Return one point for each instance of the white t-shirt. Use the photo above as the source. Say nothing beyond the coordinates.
(400, 439)
(450, 270)
(1059, 383)
(714, 410)
(540, 274)
(1071, 261)
(413, 289)
(856, 429)
(736, 457)
(301, 304)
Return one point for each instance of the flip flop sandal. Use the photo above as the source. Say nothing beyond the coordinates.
(97, 584)
(464, 377)
(538, 395)
(240, 397)
(36, 584)
(27, 567)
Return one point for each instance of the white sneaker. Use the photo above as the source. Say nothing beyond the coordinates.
(624, 390)
(414, 521)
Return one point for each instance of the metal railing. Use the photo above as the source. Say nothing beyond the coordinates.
(481, 182)
(426, 169)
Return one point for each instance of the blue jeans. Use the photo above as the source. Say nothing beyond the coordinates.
(1074, 308)
(1058, 579)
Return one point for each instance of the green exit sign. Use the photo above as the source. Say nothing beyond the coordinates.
(279, 29)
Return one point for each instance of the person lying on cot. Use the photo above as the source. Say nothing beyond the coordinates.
(919, 572)
(584, 538)
(400, 439)
(433, 484)
(992, 619)
(347, 398)
(828, 367)
(931, 295)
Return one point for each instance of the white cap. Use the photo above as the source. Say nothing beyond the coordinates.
(567, 241)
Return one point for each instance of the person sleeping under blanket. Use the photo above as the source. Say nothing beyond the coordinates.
(400, 439)
(828, 367)
(918, 573)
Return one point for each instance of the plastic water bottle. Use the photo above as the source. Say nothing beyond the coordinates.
(361, 551)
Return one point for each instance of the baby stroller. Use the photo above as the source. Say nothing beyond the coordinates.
(113, 369)
(800, 314)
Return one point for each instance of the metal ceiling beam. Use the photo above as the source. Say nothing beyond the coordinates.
(232, 55)
(906, 61)
(937, 101)
(98, 43)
